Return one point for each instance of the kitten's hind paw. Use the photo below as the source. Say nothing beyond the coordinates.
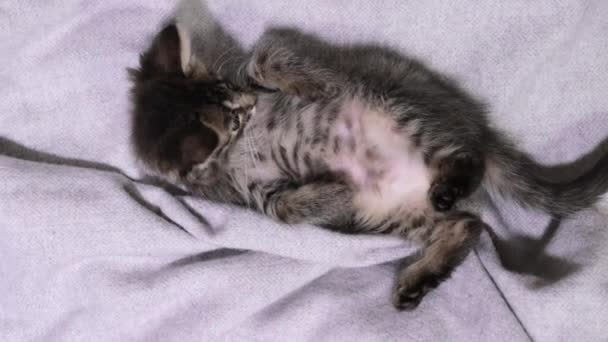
(443, 196)
(411, 289)
(459, 175)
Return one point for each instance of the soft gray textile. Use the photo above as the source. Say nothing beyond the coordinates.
(89, 253)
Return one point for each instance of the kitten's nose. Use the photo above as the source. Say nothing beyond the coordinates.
(247, 101)
(242, 101)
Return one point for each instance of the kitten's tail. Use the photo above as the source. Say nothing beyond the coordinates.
(513, 173)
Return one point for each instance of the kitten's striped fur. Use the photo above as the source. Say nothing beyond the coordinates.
(358, 139)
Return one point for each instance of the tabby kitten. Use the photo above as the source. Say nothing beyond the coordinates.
(358, 139)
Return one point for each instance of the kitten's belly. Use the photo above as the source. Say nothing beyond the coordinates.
(389, 174)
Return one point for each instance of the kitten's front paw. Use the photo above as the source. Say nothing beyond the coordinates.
(263, 72)
(411, 288)
(280, 70)
(312, 91)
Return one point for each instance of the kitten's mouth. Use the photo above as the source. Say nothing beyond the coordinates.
(242, 107)
(240, 117)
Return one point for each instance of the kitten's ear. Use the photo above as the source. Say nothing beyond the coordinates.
(191, 66)
(171, 54)
(164, 56)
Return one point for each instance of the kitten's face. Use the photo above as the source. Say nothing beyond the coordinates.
(183, 116)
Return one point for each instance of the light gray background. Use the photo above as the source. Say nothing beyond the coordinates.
(88, 253)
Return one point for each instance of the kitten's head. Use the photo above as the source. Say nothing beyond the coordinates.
(183, 115)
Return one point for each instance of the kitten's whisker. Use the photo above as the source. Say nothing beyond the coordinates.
(250, 147)
(252, 151)
(219, 70)
(240, 71)
(222, 55)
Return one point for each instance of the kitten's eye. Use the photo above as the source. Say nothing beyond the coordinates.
(226, 86)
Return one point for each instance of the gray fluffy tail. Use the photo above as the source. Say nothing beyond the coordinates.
(514, 174)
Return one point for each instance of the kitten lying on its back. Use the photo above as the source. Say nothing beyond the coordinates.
(359, 139)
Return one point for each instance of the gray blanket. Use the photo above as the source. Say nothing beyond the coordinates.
(91, 251)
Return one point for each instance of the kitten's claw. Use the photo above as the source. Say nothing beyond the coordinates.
(405, 302)
(409, 293)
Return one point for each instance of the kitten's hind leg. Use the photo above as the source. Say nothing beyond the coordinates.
(327, 204)
(447, 244)
(458, 174)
